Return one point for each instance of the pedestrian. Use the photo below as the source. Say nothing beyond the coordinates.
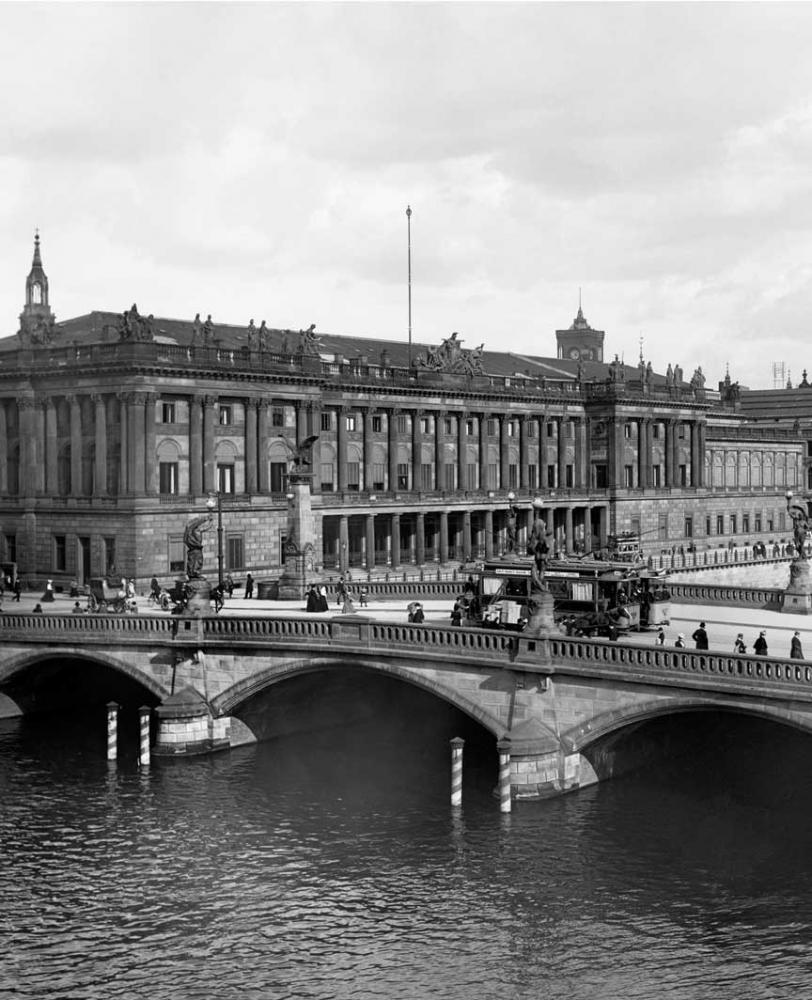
(613, 632)
(341, 591)
(760, 645)
(323, 606)
(418, 615)
(49, 591)
(77, 610)
(700, 637)
(38, 610)
(795, 651)
(680, 643)
(230, 585)
(739, 646)
(456, 613)
(18, 589)
(362, 597)
(661, 636)
(249, 587)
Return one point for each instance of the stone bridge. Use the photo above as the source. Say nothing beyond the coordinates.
(561, 702)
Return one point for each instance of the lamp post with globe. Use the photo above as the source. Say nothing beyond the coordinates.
(215, 502)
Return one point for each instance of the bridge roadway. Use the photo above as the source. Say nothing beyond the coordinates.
(563, 703)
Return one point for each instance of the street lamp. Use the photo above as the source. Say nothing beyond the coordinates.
(215, 501)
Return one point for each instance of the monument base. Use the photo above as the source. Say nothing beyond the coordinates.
(797, 598)
(199, 598)
(542, 619)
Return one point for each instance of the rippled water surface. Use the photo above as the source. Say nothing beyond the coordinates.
(332, 866)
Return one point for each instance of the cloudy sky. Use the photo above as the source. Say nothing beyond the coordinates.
(256, 160)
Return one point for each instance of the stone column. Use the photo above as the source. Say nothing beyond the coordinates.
(504, 452)
(696, 457)
(263, 443)
(3, 449)
(420, 538)
(466, 535)
(25, 422)
(209, 461)
(489, 534)
(370, 537)
(150, 456)
(562, 452)
(568, 529)
(314, 427)
(368, 439)
(38, 483)
(344, 542)
(443, 554)
(542, 456)
(462, 452)
(417, 442)
(251, 427)
(395, 529)
(124, 461)
(578, 477)
(196, 445)
(136, 403)
(668, 453)
(524, 452)
(614, 469)
(51, 450)
(439, 464)
(75, 445)
(100, 429)
(703, 428)
(392, 438)
(341, 446)
(483, 450)
(588, 528)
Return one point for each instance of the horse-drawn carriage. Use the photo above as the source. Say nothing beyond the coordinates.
(102, 597)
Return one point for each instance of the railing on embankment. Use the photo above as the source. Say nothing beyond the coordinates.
(766, 598)
(721, 672)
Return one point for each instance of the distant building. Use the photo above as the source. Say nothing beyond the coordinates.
(114, 428)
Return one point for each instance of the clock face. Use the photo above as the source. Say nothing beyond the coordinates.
(575, 353)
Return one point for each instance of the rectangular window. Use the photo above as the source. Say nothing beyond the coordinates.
(493, 476)
(491, 428)
(689, 527)
(770, 521)
(683, 475)
(757, 525)
(327, 481)
(599, 475)
(551, 470)
(425, 425)
(279, 471)
(635, 525)
(655, 430)
(532, 476)
(628, 475)
(708, 525)
(225, 478)
(512, 428)
(745, 523)
(168, 477)
(377, 424)
(277, 416)
(469, 428)
(354, 476)
(177, 554)
(427, 476)
(109, 555)
(378, 475)
(60, 553)
(448, 426)
(225, 413)
(326, 420)
(734, 526)
(350, 422)
(720, 524)
(550, 430)
(656, 475)
(403, 475)
(167, 413)
(627, 430)
(569, 476)
(531, 428)
(662, 527)
(402, 425)
(11, 548)
(471, 476)
(513, 476)
(681, 431)
(782, 521)
(234, 554)
(450, 475)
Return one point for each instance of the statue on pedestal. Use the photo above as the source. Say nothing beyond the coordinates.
(193, 540)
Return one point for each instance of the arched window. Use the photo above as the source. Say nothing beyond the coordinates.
(718, 468)
(36, 294)
(755, 469)
(744, 469)
(730, 470)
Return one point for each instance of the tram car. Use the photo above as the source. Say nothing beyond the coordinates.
(590, 595)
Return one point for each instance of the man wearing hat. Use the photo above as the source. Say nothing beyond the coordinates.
(795, 650)
(700, 637)
(760, 645)
(680, 643)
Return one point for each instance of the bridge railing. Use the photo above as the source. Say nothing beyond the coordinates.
(710, 593)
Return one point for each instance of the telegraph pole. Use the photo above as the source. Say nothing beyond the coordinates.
(409, 260)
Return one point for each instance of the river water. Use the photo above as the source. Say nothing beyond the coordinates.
(331, 865)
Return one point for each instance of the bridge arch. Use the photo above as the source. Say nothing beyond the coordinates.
(585, 735)
(229, 702)
(22, 661)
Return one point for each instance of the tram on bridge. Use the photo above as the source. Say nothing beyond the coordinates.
(590, 595)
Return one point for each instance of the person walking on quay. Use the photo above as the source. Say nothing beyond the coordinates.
(49, 591)
(249, 587)
(760, 645)
(700, 637)
(38, 610)
(230, 585)
(661, 636)
(18, 589)
(680, 643)
(739, 646)
(795, 650)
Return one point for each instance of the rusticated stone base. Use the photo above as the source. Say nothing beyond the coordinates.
(186, 726)
(539, 767)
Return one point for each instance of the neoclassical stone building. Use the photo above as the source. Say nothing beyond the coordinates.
(115, 428)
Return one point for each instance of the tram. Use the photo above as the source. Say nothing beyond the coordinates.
(590, 595)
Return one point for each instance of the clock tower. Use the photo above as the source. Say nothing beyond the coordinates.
(580, 342)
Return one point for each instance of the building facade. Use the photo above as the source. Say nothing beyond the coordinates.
(114, 429)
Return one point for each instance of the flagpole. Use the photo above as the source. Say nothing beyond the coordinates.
(409, 259)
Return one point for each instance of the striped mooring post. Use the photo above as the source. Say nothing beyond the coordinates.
(456, 770)
(144, 713)
(503, 749)
(112, 730)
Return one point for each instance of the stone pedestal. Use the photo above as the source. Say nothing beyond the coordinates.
(542, 620)
(199, 601)
(186, 726)
(797, 598)
(300, 561)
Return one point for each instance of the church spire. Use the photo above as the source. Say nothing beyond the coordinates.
(36, 319)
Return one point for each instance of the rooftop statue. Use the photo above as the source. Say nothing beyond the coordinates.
(133, 326)
(450, 357)
(309, 341)
(698, 379)
(252, 336)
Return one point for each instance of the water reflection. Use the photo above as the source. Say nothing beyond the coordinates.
(331, 865)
